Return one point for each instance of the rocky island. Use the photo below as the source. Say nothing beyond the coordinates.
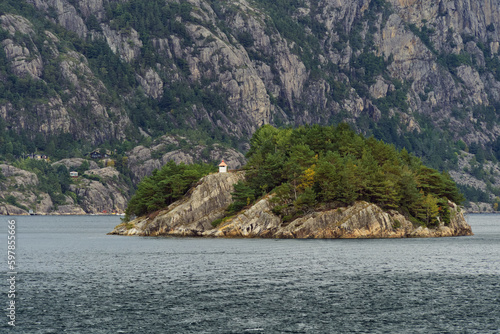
(192, 217)
(344, 186)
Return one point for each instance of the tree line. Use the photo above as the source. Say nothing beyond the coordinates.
(315, 167)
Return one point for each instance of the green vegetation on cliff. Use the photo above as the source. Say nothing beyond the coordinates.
(314, 168)
(164, 187)
(311, 167)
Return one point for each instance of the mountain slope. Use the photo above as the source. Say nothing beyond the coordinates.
(423, 75)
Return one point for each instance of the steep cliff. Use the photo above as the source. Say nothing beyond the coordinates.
(424, 75)
(193, 215)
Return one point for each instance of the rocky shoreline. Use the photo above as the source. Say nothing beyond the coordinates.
(193, 215)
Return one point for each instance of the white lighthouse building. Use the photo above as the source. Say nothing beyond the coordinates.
(222, 167)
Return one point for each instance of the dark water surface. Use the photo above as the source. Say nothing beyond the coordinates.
(73, 278)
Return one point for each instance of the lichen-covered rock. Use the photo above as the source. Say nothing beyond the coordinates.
(257, 221)
(361, 220)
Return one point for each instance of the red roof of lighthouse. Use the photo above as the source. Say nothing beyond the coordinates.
(222, 164)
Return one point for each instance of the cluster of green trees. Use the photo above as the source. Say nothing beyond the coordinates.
(313, 166)
(164, 187)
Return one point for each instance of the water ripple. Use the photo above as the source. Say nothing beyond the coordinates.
(82, 281)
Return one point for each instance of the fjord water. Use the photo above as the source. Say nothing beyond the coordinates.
(74, 278)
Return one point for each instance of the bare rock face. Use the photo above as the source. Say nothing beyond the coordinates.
(18, 56)
(16, 23)
(22, 61)
(19, 176)
(103, 193)
(45, 206)
(257, 221)
(379, 89)
(53, 117)
(361, 220)
(126, 44)
(474, 84)
(152, 83)
(91, 7)
(236, 73)
(462, 15)
(67, 15)
(21, 185)
(192, 216)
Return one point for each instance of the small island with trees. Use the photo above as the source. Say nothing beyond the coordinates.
(301, 179)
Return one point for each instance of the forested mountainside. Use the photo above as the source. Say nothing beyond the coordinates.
(138, 76)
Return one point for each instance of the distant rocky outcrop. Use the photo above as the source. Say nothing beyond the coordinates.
(206, 202)
(104, 192)
(97, 191)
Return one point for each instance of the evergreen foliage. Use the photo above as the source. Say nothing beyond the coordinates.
(312, 166)
(164, 187)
